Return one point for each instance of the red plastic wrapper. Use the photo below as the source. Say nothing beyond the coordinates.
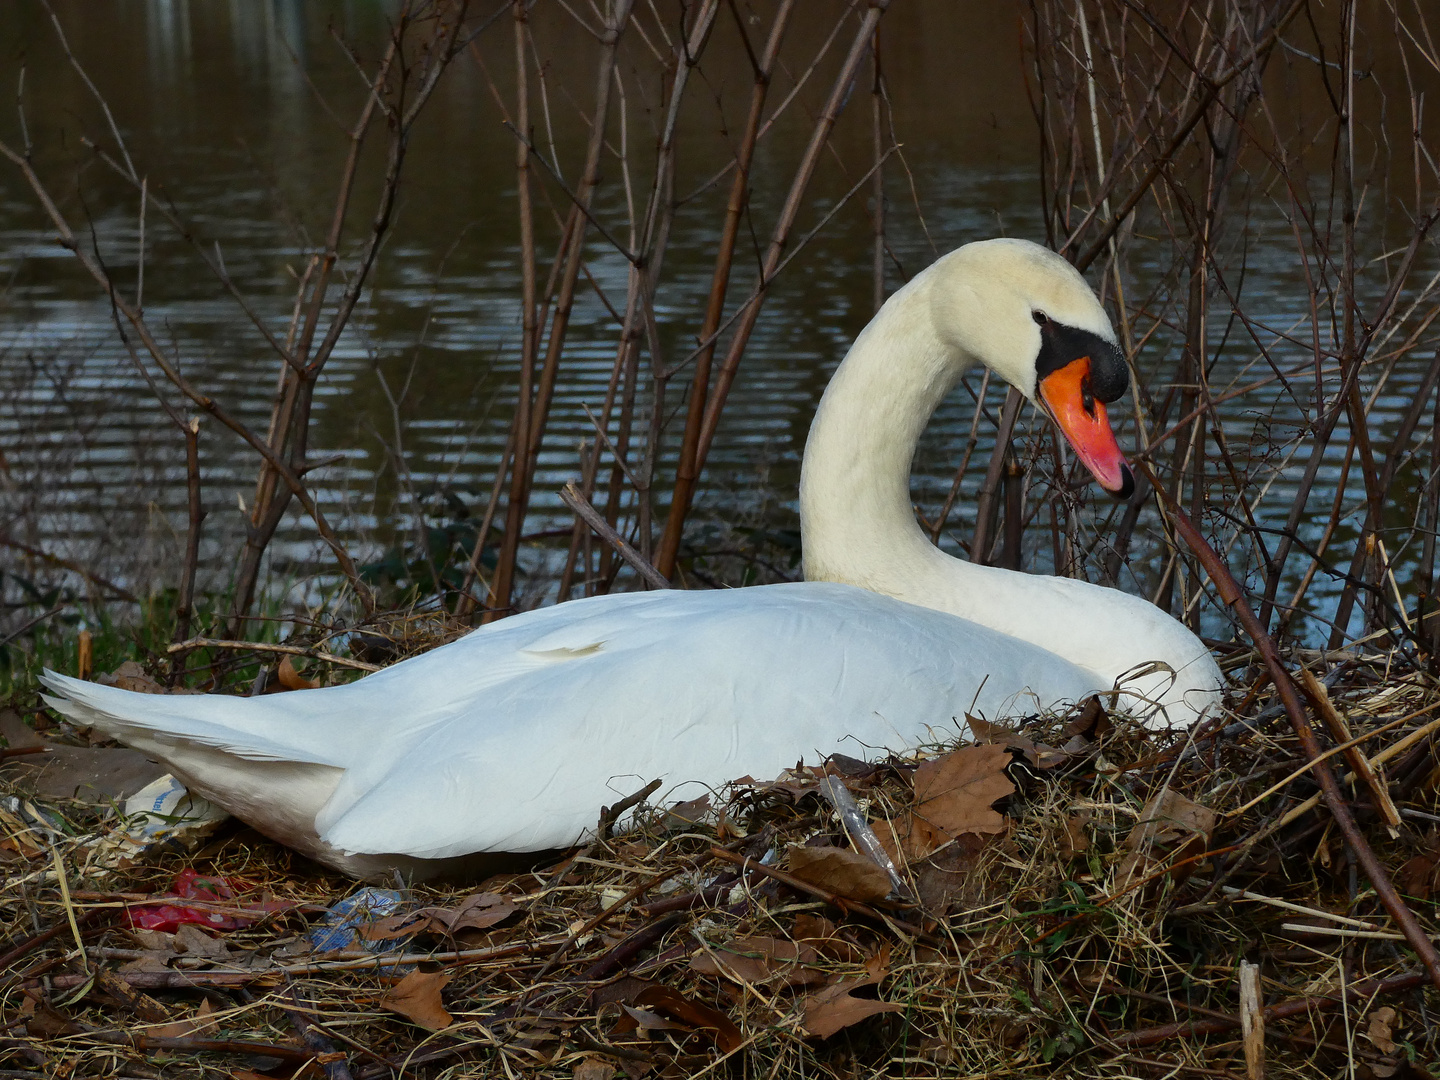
(189, 885)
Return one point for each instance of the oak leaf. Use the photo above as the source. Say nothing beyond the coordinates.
(909, 839)
(1382, 1029)
(816, 931)
(592, 1068)
(417, 997)
(954, 793)
(1167, 820)
(201, 1022)
(478, 911)
(835, 1008)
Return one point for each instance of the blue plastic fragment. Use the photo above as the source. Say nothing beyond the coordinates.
(341, 928)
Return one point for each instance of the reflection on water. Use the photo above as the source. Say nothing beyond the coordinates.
(219, 103)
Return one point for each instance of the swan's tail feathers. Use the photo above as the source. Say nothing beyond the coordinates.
(158, 723)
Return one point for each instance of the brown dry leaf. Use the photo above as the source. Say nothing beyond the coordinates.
(677, 1006)
(1381, 1031)
(885, 833)
(849, 768)
(1170, 816)
(724, 964)
(149, 960)
(759, 960)
(193, 941)
(291, 679)
(945, 878)
(1416, 877)
(796, 783)
(834, 1008)
(1077, 840)
(1167, 818)
(201, 1022)
(986, 733)
(917, 838)
(478, 911)
(826, 938)
(644, 1021)
(417, 997)
(1093, 721)
(954, 793)
(1040, 755)
(684, 815)
(840, 871)
(131, 676)
(592, 1068)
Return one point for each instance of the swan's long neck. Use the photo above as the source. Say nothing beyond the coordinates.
(855, 511)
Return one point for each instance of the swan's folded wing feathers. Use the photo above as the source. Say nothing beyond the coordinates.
(684, 701)
(238, 726)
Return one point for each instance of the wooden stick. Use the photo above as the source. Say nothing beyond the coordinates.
(1252, 1021)
(527, 453)
(780, 236)
(260, 646)
(572, 498)
(185, 605)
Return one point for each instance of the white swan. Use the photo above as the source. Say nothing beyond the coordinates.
(510, 739)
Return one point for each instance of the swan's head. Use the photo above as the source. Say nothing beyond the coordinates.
(1028, 315)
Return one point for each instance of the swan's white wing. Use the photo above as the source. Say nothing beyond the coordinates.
(686, 687)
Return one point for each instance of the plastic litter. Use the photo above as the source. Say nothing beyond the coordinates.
(862, 836)
(341, 926)
(189, 885)
(161, 816)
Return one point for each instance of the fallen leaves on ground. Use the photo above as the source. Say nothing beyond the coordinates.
(826, 938)
(953, 797)
(1381, 1031)
(1040, 755)
(131, 676)
(203, 1021)
(955, 793)
(291, 679)
(670, 1005)
(1169, 824)
(835, 1007)
(840, 871)
(760, 961)
(417, 997)
(478, 911)
(591, 1068)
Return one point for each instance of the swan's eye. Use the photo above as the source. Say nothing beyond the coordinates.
(1040, 317)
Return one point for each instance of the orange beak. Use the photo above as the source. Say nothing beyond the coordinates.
(1066, 394)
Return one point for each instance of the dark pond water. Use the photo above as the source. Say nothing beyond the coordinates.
(221, 105)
